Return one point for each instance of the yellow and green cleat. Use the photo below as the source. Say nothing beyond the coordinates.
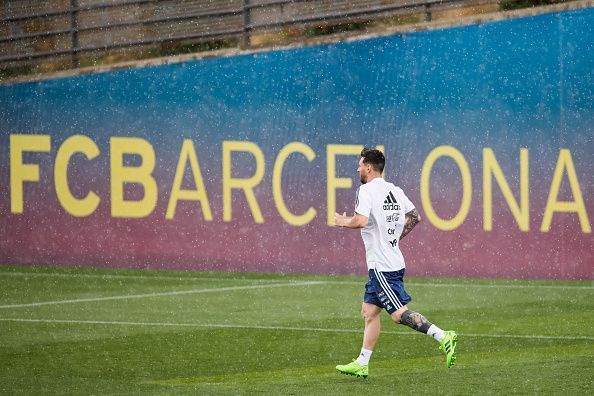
(353, 368)
(448, 346)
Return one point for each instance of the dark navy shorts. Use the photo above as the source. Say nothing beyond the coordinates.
(386, 290)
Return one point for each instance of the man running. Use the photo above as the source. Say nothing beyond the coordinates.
(385, 216)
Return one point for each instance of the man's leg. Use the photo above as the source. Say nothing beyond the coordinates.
(417, 322)
(447, 339)
(359, 367)
(371, 316)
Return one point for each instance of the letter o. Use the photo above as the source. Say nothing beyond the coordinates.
(458, 219)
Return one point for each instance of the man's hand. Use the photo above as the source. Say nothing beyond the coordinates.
(356, 221)
(340, 219)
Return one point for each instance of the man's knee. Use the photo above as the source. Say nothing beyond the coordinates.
(397, 315)
(369, 313)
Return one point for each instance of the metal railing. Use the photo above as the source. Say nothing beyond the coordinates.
(67, 29)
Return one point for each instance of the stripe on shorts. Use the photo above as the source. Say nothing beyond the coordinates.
(387, 289)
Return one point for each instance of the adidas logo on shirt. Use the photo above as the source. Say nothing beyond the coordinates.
(390, 203)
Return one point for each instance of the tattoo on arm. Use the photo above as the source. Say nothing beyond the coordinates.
(412, 219)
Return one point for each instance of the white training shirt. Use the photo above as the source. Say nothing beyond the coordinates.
(385, 205)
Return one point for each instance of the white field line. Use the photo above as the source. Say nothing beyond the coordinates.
(141, 277)
(325, 282)
(280, 328)
(160, 294)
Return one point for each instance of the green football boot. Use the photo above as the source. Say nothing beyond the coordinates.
(448, 346)
(353, 368)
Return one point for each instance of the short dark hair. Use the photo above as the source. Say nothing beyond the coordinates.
(375, 158)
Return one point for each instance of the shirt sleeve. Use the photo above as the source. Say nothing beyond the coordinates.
(406, 203)
(363, 203)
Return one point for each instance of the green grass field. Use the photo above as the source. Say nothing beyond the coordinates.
(90, 331)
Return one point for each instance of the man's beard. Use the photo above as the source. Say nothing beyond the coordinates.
(363, 179)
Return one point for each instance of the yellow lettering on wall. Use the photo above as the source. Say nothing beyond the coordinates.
(76, 207)
(20, 172)
(294, 147)
(333, 182)
(247, 185)
(491, 168)
(121, 174)
(565, 164)
(188, 153)
(434, 155)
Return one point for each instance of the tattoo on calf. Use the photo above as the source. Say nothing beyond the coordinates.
(412, 219)
(415, 321)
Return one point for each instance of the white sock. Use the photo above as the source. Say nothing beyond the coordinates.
(364, 357)
(436, 333)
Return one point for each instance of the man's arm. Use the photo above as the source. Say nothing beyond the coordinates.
(412, 219)
(356, 221)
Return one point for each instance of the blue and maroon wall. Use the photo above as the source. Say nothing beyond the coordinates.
(237, 163)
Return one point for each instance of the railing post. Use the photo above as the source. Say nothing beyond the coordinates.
(74, 32)
(428, 16)
(245, 40)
